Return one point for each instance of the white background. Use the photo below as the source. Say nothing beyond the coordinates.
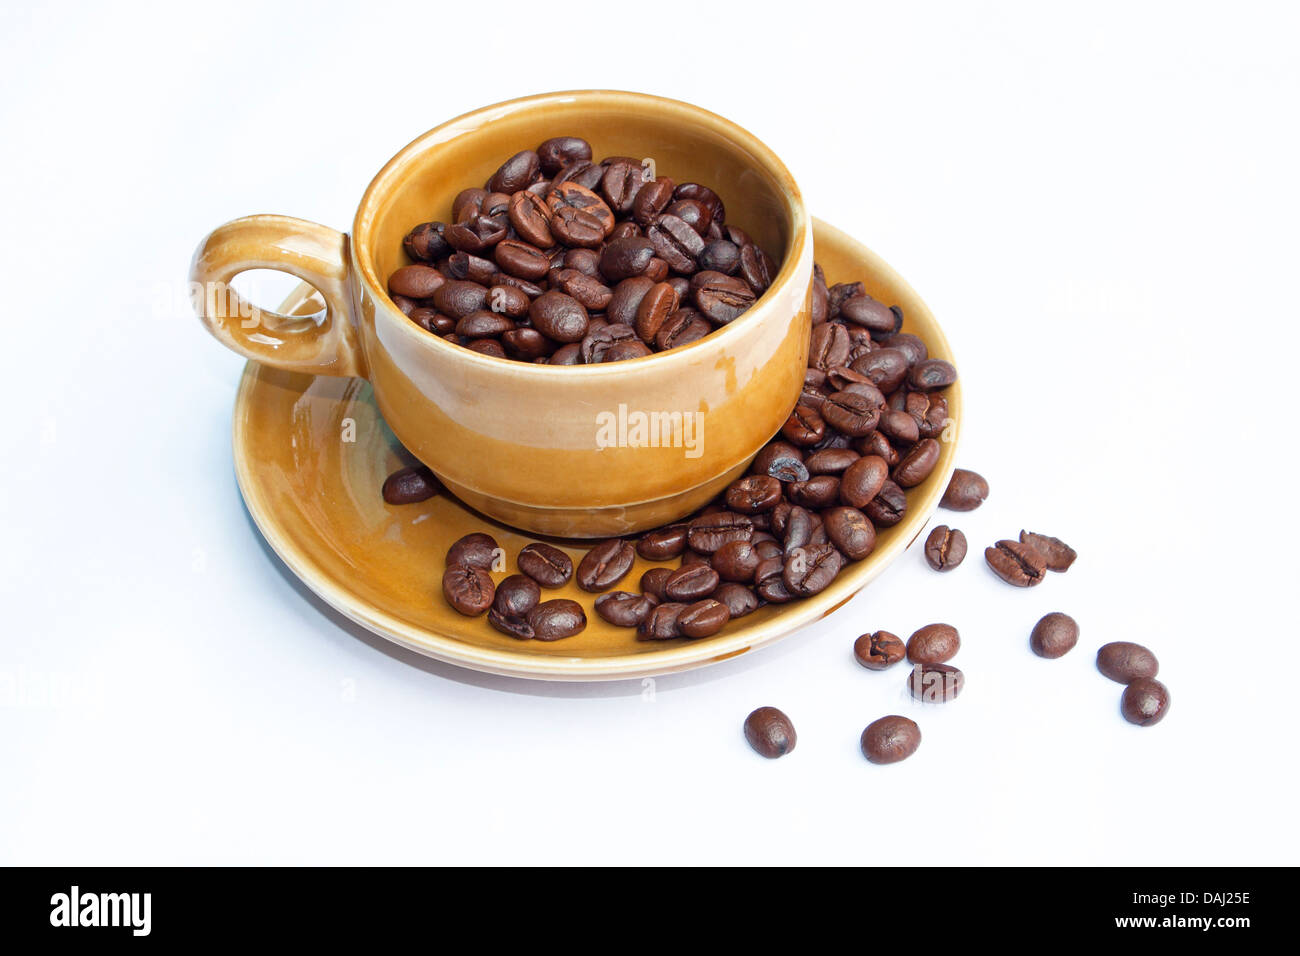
(1101, 208)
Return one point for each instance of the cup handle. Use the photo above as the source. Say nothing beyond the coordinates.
(312, 252)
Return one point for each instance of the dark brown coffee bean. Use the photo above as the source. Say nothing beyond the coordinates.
(804, 427)
(1145, 702)
(1058, 554)
(516, 596)
(890, 739)
(653, 581)
(719, 255)
(571, 196)
(930, 412)
(739, 599)
(583, 172)
(866, 312)
(516, 172)
(660, 301)
(682, 328)
(559, 317)
(879, 650)
(485, 347)
(661, 623)
(1126, 662)
(917, 463)
(703, 618)
(623, 608)
(877, 444)
(601, 338)
(425, 243)
(828, 347)
(457, 298)
(593, 294)
(521, 260)
(514, 625)
(621, 351)
(910, 345)
(662, 543)
(577, 227)
(482, 325)
(840, 292)
(627, 298)
(797, 528)
(416, 281)
(560, 151)
(621, 183)
(709, 532)
(432, 320)
(570, 354)
(546, 564)
(526, 344)
(966, 491)
(406, 486)
(935, 683)
(932, 374)
(1054, 635)
(476, 550)
(899, 426)
(888, 507)
(691, 582)
(468, 590)
(885, 368)
(468, 203)
(719, 297)
(819, 492)
(850, 413)
(477, 233)
(820, 300)
(863, 480)
(605, 565)
(770, 733)
(933, 644)
(463, 265)
(757, 268)
(734, 561)
(507, 300)
(753, 493)
(945, 548)
(1018, 564)
(624, 258)
(787, 470)
(811, 569)
(831, 461)
(772, 451)
(651, 200)
(556, 619)
(850, 531)
(770, 582)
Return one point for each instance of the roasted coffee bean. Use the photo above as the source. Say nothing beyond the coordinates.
(559, 151)
(899, 426)
(879, 650)
(840, 292)
(557, 618)
(416, 281)
(945, 548)
(476, 234)
(709, 532)
(720, 298)
(1126, 662)
(865, 311)
(890, 739)
(601, 338)
(467, 203)
(828, 347)
(463, 265)
(739, 599)
(804, 427)
(570, 354)
(772, 451)
(624, 258)
(850, 413)
(627, 298)
(425, 243)
(1054, 635)
(935, 683)
(515, 625)
(546, 564)
(888, 507)
(850, 531)
(679, 246)
(631, 349)
(653, 581)
(885, 368)
(770, 582)
(605, 565)
(767, 549)
(681, 328)
(831, 461)
(770, 733)
(690, 556)
(484, 347)
(797, 528)
(662, 543)
(521, 259)
(719, 255)
(757, 268)
(652, 199)
(516, 172)
(586, 261)
(787, 469)
(457, 298)
(407, 306)
(570, 195)
(932, 374)
(468, 590)
(930, 412)
(559, 317)
(623, 608)
(692, 212)
(734, 561)
(507, 300)
(432, 320)
(1145, 702)
(691, 582)
(661, 623)
(820, 300)
(917, 463)
(583, 172)
(526, 344)
(703, 618)
(819, 492)
(933, 644)
(622, 181)
(863, 480)
(1058, 554)
(753, 493)
(966, 491)
(1018, 564)
(482, 325)
(660, 301)
(406, 486)
(910, 345)
(516, 596)
(811, 569)
(577, 227)
(476, 550)
(877, 444)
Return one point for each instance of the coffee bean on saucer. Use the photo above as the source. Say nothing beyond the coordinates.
(966, 491)
(661, 623)
(476, 550)
(917, 463)
(1017, 563)
(703, 618)
(735, 561)
(770, 732)
(653, 581)
(409, 485)
(605, 565)
(515, 597)
(739, 599)
(1126, 662)
(546, 564)
(709, 532)
(850, 531)
(879, 650)
(945, 548)
(811, 569)
(1054, 635)
(691, 582)
(1145, 702)
(1059, 555)
(467, 589)
(557, 618)
(933, 644)
(623, 608)
(662, 544)
(890, 739)
(935, 683)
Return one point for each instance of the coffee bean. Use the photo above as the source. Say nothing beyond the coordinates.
(546, 564)
(681, 328)
(933, 644)
(879, 650)
(719, 255)
(1054, 635)
(661, 623)
(850, 531)
(468, 202)
(935, 683)
(515, 626)
(966, 491)
(804, 427)
(930, 412)
(467, 589)
(605, 565)
(624, 258)
(653, 581)
(622, 181)
(739, 599)
(1145, 702)
(516, 172)
(476, 550)
(770, 732)
(863, 480)
(819, 492)
(709, 532)
(756, 268)
(559, 317)
(599, 339)
(865, 311)
(557, 618)
(828, 347)
(831, 461)
(753, 493)
(662, 543)
(458, 298)
(521, 259)
(945, 548)
(811, 569)
(651, 200)
(425, 243)
(772, 451)
(408, 485)
(850, 413)
(660, 301)
(582, 172)
(884, 368)
(691, 582)
(917, 463)
(526, 344)
(559, 151)
(932, 374)
(416, 281)
(477, 233)
(703, 618)
(1125, 662)
(734, 561)
(480, 325)
(1016, 563)
(1058, 554)
(719, 297)
(890, 739)
(899, 426)
(623, 608)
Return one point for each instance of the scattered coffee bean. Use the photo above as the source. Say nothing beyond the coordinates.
(1054, 635)
(691, 582)
(739, 599)
(935, 683)
(770, 732)
(623, 608)
(933, 644)
(890, 739)
(966, 491)
(473, 551)
(653, 581)
(703, 618)
(1145, 702)
(557, 618)
(879, 650)
(605, 565)
(1016, 563)
(945, 548)
(1125, 662)
(546, 564)
(1059, 555)
(467, 589)
(409, 485)
(661, 623)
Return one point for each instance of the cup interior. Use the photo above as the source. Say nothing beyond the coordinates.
(685, 142)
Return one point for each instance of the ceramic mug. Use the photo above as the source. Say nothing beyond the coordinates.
(573, 451)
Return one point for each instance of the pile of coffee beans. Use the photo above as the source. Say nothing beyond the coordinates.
(561, 260)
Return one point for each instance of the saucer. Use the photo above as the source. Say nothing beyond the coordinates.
(311, 455)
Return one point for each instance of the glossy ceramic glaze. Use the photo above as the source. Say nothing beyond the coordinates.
(317, 500)
(527, 444)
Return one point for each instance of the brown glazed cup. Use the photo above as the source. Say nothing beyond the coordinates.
(574, 451)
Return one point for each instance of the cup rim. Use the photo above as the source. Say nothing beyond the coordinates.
(800, 232)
